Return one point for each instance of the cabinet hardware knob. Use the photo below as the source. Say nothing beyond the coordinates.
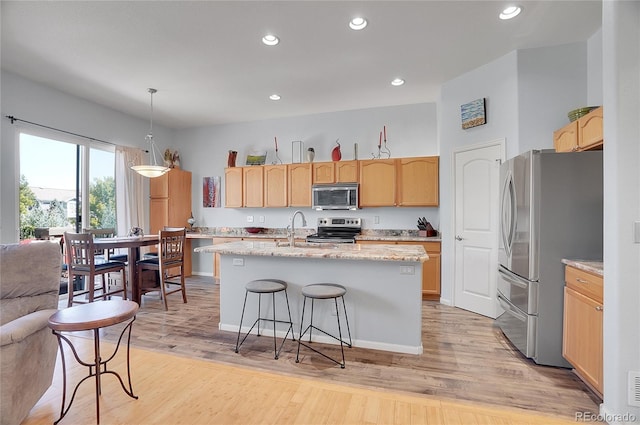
(599, 308)
(458, 238)
(581, 280)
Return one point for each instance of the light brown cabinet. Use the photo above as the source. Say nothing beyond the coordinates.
(418, 181)
(252, 186)
(170, 205)
(275, 186)
(585, 133)
(408, 182)
(377, 182)
(582, 343)
(335, 172)
(430, 268)
(233, 187)
(299, 185)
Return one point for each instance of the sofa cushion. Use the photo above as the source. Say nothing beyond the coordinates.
(29, 278)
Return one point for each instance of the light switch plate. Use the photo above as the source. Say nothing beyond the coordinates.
(249, 219)
(636, 232)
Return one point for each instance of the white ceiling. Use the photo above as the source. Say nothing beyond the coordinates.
(210, 67)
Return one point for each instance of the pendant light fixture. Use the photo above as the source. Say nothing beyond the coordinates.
(152, 170)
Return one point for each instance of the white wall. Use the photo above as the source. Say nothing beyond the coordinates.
(621, 93)
(529, 93)
(37, 103)
(411, 131)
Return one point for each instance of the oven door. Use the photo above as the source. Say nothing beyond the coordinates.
(518, 327)
(520, 292)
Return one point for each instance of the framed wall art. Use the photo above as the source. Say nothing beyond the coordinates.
(211, 192)
(473, 113)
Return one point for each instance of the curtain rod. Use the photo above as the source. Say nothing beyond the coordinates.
(14, 119)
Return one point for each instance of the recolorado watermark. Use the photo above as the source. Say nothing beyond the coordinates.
(608, 418)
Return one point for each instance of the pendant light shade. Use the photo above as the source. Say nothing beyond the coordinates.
(151, 170)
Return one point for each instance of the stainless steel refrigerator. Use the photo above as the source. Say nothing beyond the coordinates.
(551, 208)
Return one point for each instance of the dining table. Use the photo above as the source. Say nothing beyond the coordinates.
(133, 245)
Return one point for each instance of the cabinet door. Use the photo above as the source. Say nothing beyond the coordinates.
(377, 183)
(418, 181)
(590, 130)
(158, 214)
(179, 189)
(299, 185)
(275, 186)
(582, 336)
(252, 186)
(430, 269)
(323, 172)
(346, 171)
(566, 138)
(233, 187)
(159, 186)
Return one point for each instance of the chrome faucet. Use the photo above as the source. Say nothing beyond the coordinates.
(291, 225)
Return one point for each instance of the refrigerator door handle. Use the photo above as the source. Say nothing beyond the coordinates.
(508, 309)
(508, 214)
(511, 279)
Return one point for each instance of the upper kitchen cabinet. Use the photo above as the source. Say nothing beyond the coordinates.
(583, 134)
(418, 181)
(405, 182)
(590, 133)
(299, 185)
(275, 186)
(377, 182)
(335, 172)
(252, 186)
(233, 187)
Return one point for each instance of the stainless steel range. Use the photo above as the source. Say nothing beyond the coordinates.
(337, 230)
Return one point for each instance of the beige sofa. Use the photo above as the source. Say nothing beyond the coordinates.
(29, 286)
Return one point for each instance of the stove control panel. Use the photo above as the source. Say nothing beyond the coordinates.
(340, 222)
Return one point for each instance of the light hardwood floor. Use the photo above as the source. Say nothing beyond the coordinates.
(178, 390)
(465, 357)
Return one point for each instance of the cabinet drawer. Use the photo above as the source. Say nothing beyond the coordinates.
(584, 283)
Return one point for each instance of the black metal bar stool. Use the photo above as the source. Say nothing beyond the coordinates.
(324, 291)
(266, 286)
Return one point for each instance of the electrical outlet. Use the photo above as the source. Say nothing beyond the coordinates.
(376, 219)
(249, 219)
(261, 219)
(636, 232)
(407, 270)
(238, 261)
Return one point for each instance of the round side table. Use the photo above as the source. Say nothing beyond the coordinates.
(93, 316)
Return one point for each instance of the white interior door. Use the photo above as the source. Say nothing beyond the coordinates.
(477, 173)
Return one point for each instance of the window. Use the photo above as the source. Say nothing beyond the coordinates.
(55, 175)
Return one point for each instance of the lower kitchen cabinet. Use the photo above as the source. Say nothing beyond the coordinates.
(582, 327)
(430, 268)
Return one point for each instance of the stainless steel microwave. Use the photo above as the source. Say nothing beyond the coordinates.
(338, 196)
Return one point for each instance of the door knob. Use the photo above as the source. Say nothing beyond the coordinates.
(458, 238)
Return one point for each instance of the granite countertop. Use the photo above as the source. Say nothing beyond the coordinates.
(403, 253)
(382, 235)
(590, 266)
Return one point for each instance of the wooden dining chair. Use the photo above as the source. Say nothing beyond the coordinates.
(81, 261)
(170, 258)
(109, 255)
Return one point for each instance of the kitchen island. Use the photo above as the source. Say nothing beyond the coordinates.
(383, 284)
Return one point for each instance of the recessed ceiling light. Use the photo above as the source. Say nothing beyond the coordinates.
(270, 40)
(397, 82)
(510, 12)
(274, 97)
(357, 23)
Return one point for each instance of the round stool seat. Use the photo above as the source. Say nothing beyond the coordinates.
(324, 290)
(266, 286)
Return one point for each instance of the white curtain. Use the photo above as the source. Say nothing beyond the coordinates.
(129, 190)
